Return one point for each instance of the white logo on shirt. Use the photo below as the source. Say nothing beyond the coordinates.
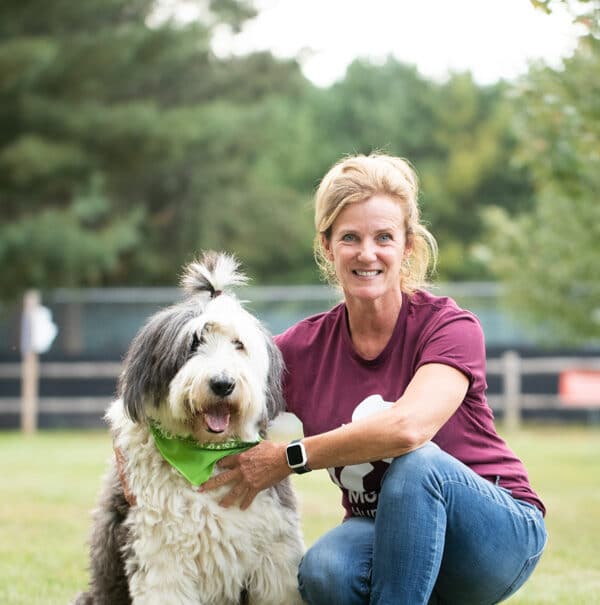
(352, 477)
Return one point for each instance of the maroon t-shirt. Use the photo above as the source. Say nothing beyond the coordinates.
(327, 384)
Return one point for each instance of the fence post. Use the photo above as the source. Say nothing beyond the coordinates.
(29, 365)
(512, 390)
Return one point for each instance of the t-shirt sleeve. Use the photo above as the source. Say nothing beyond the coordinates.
(284, 342)
(457, 340)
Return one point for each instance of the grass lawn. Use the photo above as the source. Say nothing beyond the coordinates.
(50, 481)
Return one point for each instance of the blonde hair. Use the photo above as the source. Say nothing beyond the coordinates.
(358, 178)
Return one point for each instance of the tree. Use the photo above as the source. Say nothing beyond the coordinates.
(123, 140)
(548, 257)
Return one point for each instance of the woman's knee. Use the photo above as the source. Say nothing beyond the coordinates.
(417, 472)
(318, 568)
(330, 574)
(418, 463)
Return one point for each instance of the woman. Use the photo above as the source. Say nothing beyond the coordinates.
(390, 388)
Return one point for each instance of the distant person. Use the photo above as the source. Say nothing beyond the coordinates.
(390, 388)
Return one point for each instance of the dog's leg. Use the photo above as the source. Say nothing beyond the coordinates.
(161, 571)
(146, 590)
(108, 541)
(275, 579)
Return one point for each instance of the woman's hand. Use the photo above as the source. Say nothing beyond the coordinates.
(248, 473)
(121, 463)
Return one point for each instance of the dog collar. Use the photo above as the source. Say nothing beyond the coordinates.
(195, 461)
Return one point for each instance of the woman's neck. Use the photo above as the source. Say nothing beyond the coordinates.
(371, 323)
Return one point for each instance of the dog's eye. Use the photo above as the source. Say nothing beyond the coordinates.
(239, 345)
(196, 342)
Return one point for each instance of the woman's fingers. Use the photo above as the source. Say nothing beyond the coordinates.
(229, 461)
(121, 464)
(248, 499)
(248, 473)
(221, 479)
(241, 494)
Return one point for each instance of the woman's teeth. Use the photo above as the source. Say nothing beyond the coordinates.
(366, 273)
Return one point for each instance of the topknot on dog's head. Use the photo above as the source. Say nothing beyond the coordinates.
(213, 272)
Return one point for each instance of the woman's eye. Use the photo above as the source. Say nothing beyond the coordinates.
(385, 237)
(239, 345)
(348, 237)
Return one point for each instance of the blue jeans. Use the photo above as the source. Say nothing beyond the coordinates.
(442, 534)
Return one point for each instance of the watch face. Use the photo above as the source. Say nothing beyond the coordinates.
(295, 454)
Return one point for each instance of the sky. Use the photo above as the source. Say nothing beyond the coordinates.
(493, 39)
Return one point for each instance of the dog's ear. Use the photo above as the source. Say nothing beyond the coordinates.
(155, 356)
(275, 401)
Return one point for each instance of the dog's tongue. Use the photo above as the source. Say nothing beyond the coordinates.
(217, 418)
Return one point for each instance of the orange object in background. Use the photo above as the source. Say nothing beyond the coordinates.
(579, 388)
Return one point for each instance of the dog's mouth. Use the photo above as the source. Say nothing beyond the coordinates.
(217, 416)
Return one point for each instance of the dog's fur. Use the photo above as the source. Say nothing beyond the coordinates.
(176, 545)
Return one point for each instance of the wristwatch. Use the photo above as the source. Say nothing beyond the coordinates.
(296, 457)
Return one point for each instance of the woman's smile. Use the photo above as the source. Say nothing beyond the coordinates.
(366, 273)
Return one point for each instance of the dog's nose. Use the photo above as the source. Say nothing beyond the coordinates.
(222, 386)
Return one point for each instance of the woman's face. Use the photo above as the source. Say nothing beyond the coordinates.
(367, 245)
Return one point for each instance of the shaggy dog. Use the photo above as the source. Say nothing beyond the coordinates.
(201, 377)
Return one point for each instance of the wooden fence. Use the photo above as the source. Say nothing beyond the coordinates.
(512, 368)
(511, 401)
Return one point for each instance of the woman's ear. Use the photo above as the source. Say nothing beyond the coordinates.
(326, 245)
(408, 246)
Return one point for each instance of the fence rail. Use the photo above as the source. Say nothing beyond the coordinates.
(544, 365)
(511, 401)
(75, 369)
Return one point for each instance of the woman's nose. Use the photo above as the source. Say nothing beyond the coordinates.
(366, 250)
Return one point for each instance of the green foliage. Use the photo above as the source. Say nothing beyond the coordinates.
(125, 147)
(549, 256)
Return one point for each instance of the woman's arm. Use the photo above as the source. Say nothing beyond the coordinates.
(430, 399)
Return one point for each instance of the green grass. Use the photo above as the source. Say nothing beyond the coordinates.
(50, 482)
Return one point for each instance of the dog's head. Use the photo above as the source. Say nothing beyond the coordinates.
(204, 367)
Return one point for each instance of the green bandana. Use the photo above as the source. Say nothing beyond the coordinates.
(195, 461)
